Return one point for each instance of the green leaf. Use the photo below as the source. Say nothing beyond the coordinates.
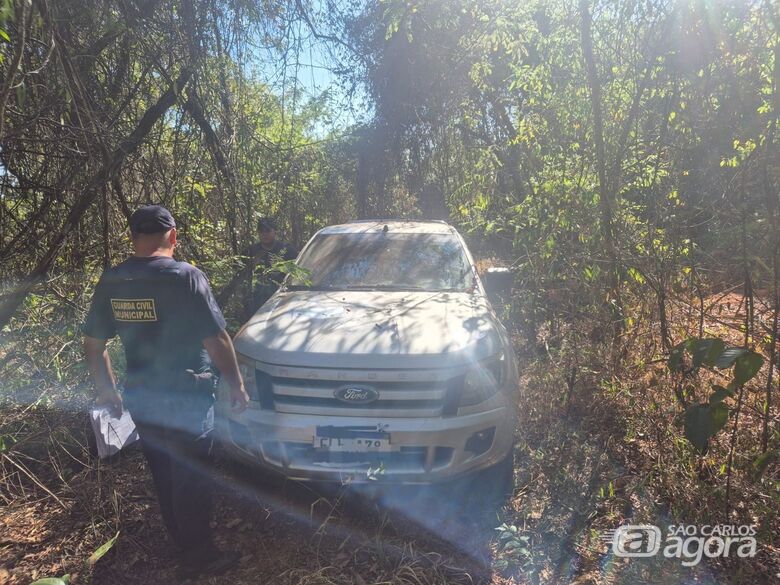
(747, 367)
(697, 426)
(720, 416)
(636, 275)
(50, 581)
(706, 351)
(702, 422)
(102, 550)
(720, 393)
(4, 36)
(716, 348)
(729, 356)
(5, 443)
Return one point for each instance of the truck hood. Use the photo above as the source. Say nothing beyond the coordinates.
(368, 329)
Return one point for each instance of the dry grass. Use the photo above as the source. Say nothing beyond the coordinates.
(616, 453)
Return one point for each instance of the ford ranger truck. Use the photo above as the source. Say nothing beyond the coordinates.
(382, 353)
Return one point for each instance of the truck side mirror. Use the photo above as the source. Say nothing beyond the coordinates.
(498, 282)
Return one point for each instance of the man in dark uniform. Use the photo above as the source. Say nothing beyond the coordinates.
(172, 330)
(263, 255)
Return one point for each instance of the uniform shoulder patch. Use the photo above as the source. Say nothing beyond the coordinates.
(134, 310)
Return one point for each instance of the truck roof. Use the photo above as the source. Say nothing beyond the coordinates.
(403, 226)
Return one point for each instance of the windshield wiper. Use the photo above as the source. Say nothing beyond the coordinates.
(368, 287)
(310, 287)
(399, 287)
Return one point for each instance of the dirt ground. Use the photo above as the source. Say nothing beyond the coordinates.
(288, 533)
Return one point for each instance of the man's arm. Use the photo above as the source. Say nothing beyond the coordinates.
(223, 355)
(99, 364)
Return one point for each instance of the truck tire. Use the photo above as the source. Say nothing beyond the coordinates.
(498, 481)
(487, 490)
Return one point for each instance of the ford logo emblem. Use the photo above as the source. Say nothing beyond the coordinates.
(356, 394)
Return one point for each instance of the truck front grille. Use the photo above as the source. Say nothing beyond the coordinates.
(317, 396)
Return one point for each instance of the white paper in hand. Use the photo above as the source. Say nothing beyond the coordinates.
(112, 433)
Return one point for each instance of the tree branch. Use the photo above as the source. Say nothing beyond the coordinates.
(88, 195)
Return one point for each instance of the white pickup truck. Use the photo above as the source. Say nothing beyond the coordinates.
(387, 355)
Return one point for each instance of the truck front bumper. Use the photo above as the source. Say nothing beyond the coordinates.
(422, 450)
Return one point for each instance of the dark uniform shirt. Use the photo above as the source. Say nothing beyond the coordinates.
(268, 257)
(162, 310)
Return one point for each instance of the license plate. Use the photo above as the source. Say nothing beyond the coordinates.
(352, 445)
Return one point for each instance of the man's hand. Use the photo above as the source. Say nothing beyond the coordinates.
(239, 399)
(112, 399)
(220, 348)
(100, 367)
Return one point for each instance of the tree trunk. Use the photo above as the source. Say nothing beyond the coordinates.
(606, 204)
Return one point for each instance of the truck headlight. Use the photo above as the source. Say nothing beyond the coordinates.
(483, 381)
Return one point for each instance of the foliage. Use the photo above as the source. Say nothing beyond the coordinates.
(64, 580)
(703, 420)
(102, 550)
(231, 148)
(515, 550)
(487, 105)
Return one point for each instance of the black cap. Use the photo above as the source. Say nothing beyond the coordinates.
(266, 223)
(151, 219)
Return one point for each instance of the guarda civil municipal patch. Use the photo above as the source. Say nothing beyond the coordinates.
(134, 310)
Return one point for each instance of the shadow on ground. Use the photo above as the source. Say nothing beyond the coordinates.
(298, 534)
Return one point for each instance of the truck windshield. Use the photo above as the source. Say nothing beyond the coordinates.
(383, 261)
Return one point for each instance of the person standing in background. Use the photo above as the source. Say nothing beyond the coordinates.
(268, 251)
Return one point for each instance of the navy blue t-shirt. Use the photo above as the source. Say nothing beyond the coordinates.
(162, 310)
